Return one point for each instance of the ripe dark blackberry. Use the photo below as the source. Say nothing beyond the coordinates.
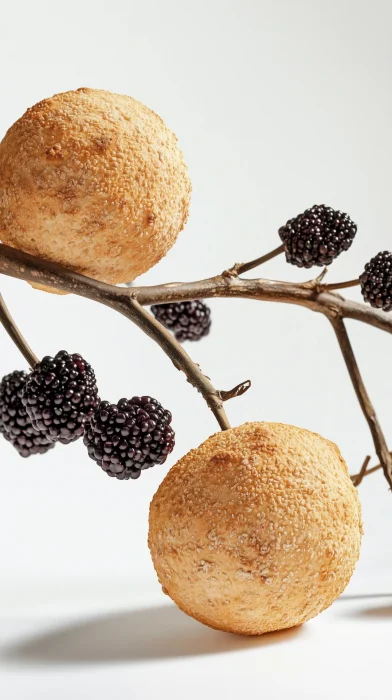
(128, 437)
(189, 320)
(60, 395)
(15, 425)
(317, 236)
(376, 281)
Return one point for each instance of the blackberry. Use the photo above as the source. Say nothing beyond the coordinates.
(376, 281)
(60, 395)
(128, 437)
(15, 425)
(189, 320)
(317, 236)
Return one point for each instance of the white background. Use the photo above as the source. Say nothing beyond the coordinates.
(277, 105)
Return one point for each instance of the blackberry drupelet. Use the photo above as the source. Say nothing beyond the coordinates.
(60, 395)
(376, 281)
(15, 424)
(317, 236)
(128, 437)
(189, 320)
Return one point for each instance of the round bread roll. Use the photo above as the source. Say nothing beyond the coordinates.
(94, 181)
(258, 529)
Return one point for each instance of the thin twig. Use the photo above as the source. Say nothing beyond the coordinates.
(15, 334)
(240, 268)
(359, 477)
(341, 285)
(363, 397)
(368, 471)
(24, 266)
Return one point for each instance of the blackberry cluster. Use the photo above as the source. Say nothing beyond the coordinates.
(15, 424)
(376, 281)
(188, 320)
(128, 437)
(317, 236)
(60, 395)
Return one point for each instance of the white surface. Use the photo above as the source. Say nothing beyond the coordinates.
(152, 649)
(277, 105)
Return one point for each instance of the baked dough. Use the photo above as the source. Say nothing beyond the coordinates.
(256, 530)
(95, 181)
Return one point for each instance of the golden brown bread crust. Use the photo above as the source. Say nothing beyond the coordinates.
(95, 181)
(256, 530)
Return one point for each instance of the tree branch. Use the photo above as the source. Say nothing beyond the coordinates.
(313, 296)
(363, 397)
(15, 263)
(148, 324)
(15, 334)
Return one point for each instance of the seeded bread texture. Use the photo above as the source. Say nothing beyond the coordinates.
(256, 530)
(94, 181)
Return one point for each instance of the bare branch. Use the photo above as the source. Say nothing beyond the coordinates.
(23, 266)
(363, 397)
(27, 267)
(15, 334)
(313, 296)
(148, 324)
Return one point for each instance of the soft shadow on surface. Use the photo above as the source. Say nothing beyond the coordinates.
(375, 611)
(382, 612)
(362, 596)
(137, 635)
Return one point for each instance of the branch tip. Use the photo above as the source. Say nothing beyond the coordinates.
(236, 391)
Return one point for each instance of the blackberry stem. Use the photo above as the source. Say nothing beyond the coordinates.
(341, 285)
(15, 334)
(240, 268)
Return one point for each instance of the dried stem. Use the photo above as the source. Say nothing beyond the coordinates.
(342, 285)
(357, 479)
(363, 398)
(236, 391)
(15, 334)
(240, 268)
(313, 296)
